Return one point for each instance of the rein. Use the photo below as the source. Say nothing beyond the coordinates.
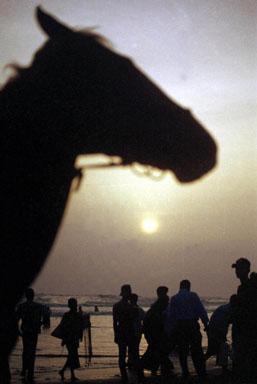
(139, 170)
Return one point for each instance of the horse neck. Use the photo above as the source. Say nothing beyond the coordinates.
(46, 108)
(32, 114)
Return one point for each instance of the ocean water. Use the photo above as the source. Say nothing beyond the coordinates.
(58, 303)
(104, 349)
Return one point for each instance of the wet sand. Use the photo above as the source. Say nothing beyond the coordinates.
(46, 371)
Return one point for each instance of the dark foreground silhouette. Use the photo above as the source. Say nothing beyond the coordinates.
(171, 326)
(72, 329)
(244, 329)
(33, 316)
(77, 97)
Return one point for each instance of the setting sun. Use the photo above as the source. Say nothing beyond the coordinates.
(150, 225)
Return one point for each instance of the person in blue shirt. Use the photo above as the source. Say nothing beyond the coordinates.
(184, 310)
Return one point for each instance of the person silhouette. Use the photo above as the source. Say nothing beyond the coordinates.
(85, 317)
(218, 326)
(157, 353)
(124, 316)
(72, 324)
(244, 323)
(138, 326)
(32, 315)
(184, 310)
(87, 334)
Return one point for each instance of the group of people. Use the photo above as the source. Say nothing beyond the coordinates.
(33, 316)
(169, 324)
(173, 324)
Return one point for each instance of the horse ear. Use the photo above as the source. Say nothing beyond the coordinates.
(50, 25)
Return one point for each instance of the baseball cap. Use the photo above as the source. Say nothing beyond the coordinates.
(242, 262)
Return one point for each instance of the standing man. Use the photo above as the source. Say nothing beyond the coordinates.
(124, 315)
(184, 311)
(138, 322)
(32, 315)
(244, 319)
(157, 353)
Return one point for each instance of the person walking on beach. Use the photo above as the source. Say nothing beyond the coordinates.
(124, 315)
(184, 310)
(32, 315)
(244, 320)
(71, 326)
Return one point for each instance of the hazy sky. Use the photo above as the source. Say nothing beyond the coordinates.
(202, 53)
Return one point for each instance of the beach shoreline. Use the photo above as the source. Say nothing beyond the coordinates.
(105, 371)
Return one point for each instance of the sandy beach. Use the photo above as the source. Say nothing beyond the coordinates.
(97, 372)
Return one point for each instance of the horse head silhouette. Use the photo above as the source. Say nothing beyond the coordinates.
(77, 97)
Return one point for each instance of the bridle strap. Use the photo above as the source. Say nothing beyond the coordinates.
(139, 170)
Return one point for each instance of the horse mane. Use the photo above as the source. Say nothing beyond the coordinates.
(88, 33)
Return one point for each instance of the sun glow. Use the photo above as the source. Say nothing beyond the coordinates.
(150, 225)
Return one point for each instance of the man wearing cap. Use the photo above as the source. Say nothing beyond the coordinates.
(124, 316)
(242, 268)
(244, 320)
